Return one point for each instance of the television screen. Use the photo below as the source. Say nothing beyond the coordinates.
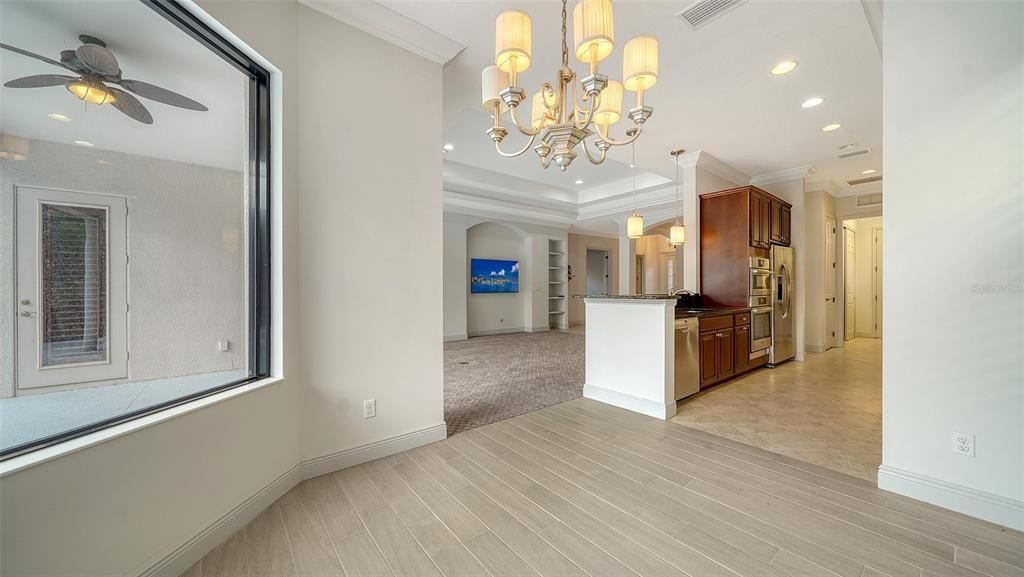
(493, 276)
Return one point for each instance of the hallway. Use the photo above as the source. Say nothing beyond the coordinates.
(826, 410)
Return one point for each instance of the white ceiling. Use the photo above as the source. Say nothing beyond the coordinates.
(148, 48)
(714, 92)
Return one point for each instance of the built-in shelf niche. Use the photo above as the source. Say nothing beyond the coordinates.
(558, 284)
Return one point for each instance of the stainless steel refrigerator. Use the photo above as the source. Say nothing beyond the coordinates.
(783, 325)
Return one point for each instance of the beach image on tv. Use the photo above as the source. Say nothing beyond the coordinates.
(493, 276)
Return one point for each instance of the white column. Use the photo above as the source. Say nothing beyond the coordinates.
(691, 220)
(627, 261)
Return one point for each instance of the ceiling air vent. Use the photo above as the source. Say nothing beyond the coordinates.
(853, 152)
(704, 11)
(863, 180)
(869, 199)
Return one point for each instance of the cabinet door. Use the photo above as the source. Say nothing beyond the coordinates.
(784, 218)
(766, 216)
(755, 221)
(776, 226)
(742, 348)
(726, 353)
(708, 359)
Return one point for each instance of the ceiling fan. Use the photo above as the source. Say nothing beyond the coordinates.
(96, 66)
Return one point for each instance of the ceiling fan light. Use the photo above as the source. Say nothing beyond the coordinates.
(609, 108)
(513, 40)
(677, 234)
(593, 30)
(640, 63)
(88, 92)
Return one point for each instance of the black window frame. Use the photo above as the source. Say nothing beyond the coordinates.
(258, 215)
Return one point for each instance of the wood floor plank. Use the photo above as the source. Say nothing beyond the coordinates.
(528, 513)
(444, 548)
(456, 517)
(311, 544)
(197, 570)
(402, 499)
(361, 556)
(268, 552)
(592, 559)
(497, 558)
(430, 460)
(227, 559)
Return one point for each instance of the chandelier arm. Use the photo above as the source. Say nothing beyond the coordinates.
(588, 115)
(529, 143)
(604, 136)
(515, 121)
(590, 157)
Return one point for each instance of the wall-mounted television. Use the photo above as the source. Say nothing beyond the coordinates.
(493, 276)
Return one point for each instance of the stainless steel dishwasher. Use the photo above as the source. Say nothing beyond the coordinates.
(687, 357)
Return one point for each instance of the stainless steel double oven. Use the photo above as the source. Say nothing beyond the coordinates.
(760, 306)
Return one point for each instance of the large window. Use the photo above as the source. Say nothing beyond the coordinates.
(134, 210)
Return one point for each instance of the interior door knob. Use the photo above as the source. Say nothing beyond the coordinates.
(28, 314)
(26, 302)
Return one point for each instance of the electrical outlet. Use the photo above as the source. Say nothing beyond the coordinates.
(223, 346)
(369, 408)
(963, 444)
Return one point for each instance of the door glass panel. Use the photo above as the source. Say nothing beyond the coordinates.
(73, 287)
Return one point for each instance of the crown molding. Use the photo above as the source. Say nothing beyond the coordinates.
(830, 186)
(706, 161)
(473, 205)
(783, 175)
(384, 23)
(624, 203)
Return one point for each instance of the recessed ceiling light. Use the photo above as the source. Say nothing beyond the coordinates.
(84, 143)
(59, 117)
(869, 171)
(831, 127)
(784, 67)
(812, 102)
(848, 146)
(448, 147)
(579, 181)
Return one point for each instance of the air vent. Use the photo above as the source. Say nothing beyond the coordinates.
(869, 199)
(704, 11)
(863, 180)
(856, 152)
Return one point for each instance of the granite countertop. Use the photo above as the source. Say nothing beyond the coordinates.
(710, 312)
(628, 297)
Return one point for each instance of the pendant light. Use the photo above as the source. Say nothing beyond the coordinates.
(677, 234)
(635, 222)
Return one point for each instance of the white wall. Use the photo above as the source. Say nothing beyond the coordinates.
(818, 205)
(139, 498)
(954, 157)
(496, 313)
(185, 219)
(578, 246)
(862, 268)
(655, 250)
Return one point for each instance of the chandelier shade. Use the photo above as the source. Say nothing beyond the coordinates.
(492, 82)
(593, 30)
(539, 112)
(640, 63)
(677, 234)
(609, 111)
(513, 41)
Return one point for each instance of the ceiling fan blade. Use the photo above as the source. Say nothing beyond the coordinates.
(98, 59)
(38, 81)
(31, 55)
(131, 106)
(153, 92)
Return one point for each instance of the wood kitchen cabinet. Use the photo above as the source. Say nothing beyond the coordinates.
(760, 221)
(742, 338)
(708, 359)
(724, 348)
(780, 222)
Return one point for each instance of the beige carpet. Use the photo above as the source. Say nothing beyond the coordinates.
(489, 379)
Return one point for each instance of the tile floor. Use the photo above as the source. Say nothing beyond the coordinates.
(826, 410)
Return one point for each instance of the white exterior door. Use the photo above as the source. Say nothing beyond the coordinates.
(830, 283)
(850, 282)
(71, 287)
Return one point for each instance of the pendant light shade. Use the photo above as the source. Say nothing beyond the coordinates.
(635, 225)
(640, 63)
(513, 41)
(492, 82)
(593, 30)
(538, 112)
(677, 234)
(609, 108)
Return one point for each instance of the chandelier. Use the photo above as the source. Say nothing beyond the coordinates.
(563, 115)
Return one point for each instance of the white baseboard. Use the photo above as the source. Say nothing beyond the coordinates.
(988, 506)
(630, 402)
(177, 561)
(458, 337)
(357, 455)
(490, 332)
(538, 329)
(864, 335)
(181, 558)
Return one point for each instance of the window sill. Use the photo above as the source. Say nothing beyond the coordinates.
(45, 454)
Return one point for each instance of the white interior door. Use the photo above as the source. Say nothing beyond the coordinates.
(850, 282)
(876, 279)
(597, 272)
(71, 287)
(830, 282)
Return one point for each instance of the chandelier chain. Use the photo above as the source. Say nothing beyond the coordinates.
(565, 32)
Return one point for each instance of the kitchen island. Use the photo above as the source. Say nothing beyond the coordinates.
(630, 358)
